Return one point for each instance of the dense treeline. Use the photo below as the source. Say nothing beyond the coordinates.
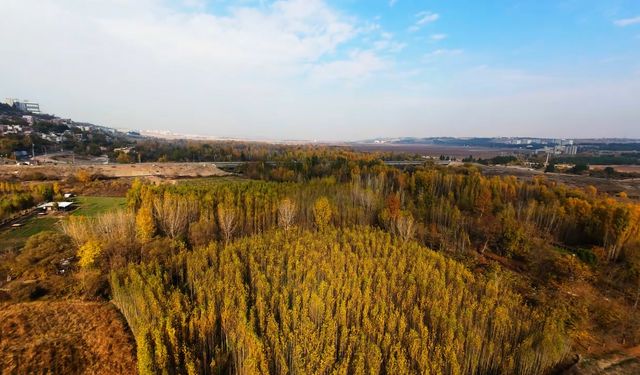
(15, 197)
(512, 209)
(195, 211)
(212, 151)
(336, 301)
(448, 209)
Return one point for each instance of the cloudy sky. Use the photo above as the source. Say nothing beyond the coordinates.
(330, 70)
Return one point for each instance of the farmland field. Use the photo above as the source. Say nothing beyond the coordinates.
(92, 206)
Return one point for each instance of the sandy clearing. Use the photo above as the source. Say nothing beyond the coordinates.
(168, 170)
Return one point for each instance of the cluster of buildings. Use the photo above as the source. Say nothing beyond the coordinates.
(7, 129)
(535, 141)
(13, 127)
(558, 150)
(11, 124)
(564, 150)
(550, 146)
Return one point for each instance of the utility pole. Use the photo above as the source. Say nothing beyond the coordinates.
(546, 163)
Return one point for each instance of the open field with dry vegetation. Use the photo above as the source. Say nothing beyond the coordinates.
(65, 337)
(619, 168)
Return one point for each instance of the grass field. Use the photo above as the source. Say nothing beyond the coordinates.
(92, 206)
(13, 238)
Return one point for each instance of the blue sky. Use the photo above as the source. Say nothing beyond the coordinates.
(330, 70)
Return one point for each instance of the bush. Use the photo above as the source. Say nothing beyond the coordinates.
(43, 253)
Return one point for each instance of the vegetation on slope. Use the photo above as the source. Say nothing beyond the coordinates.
(339, 301)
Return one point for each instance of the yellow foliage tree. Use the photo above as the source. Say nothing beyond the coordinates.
(145, 223)
(89, 253)
(322, 212)
(83, 177)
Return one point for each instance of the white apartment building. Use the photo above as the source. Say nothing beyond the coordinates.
(23, 105)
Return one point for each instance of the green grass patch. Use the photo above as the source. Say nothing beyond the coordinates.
(15, 238)
(93, 206)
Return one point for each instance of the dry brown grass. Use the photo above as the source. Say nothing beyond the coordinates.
(64, 337)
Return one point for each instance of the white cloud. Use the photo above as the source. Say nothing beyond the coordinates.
(627, 21)
(197, 4)
(287, 32)
(443, 53)
(358, 67)
(424, 18)
(387, 43)
(145, 64)
(392, 2)
(438, 37)
(285, 69)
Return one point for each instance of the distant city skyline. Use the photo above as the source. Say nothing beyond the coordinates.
(330, 70)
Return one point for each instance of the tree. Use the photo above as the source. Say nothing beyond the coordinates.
(551, 168)
(609, 171)
(286, 213)
(227, 221)
(174, 213)
(405, 226)
(123, 158)
(145, 223)
(322, 212)
(78, 228)
(83, 176)
(203, 231)
(579, 168)
(392, 203)
(89, 253)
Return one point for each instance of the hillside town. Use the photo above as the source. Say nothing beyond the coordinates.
(27, 133)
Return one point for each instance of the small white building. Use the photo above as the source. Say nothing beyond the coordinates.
(56, 206)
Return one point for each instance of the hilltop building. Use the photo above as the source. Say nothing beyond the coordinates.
(23, 105)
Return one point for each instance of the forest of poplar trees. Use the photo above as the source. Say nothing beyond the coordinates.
(363, 269)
